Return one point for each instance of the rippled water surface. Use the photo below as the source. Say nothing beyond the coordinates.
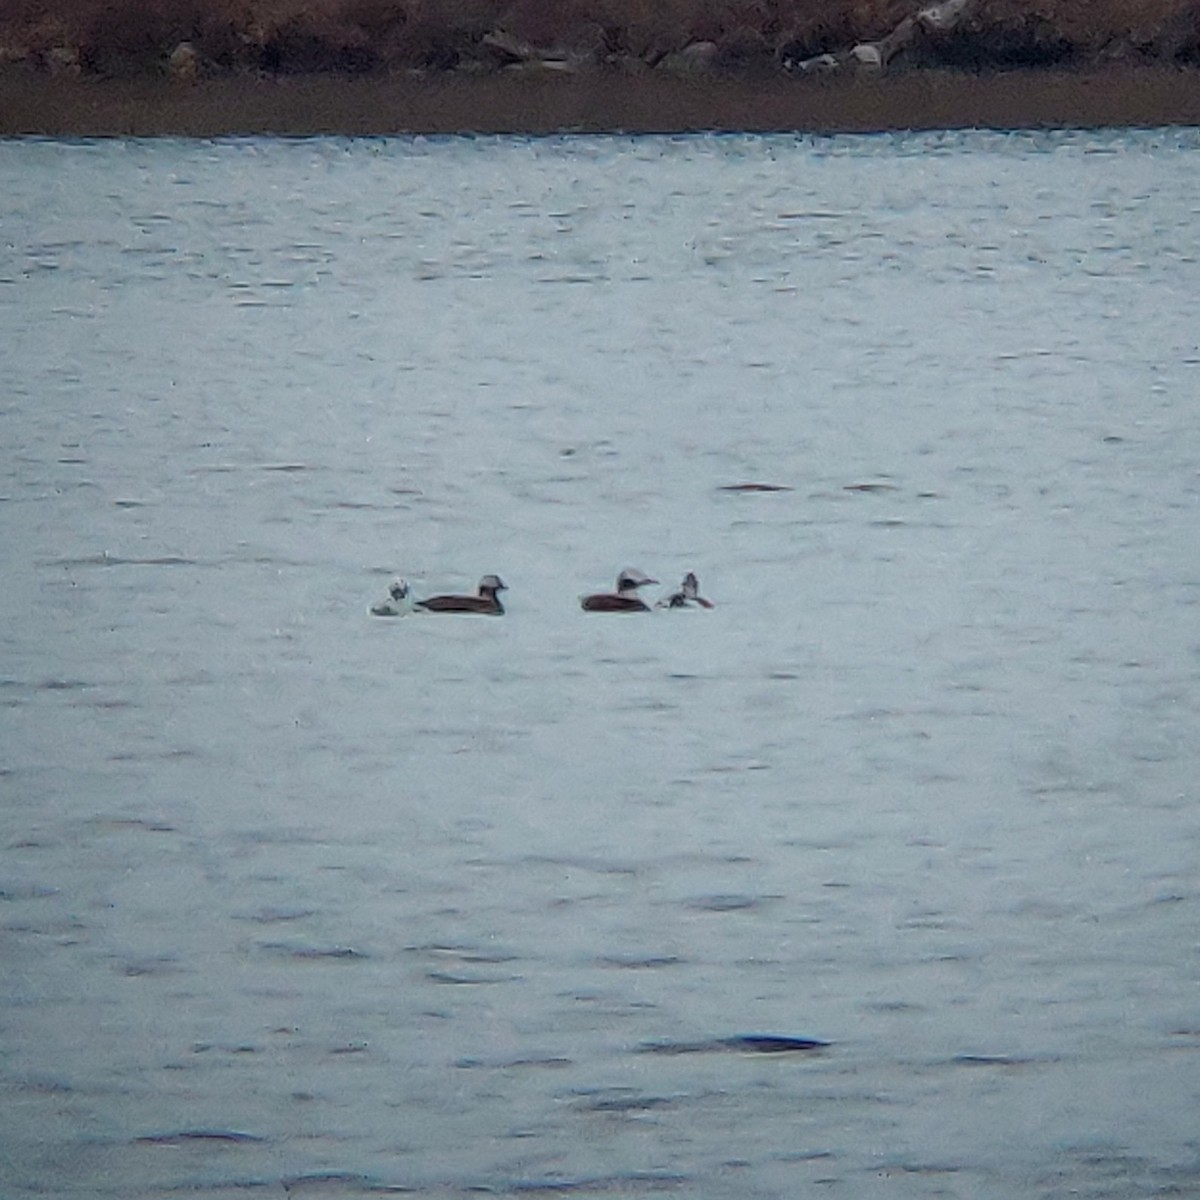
(294, 900)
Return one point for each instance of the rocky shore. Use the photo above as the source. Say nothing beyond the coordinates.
(206, 67)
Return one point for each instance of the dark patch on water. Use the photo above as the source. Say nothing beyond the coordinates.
(327, 1183)
(637, 1181)
(120, 824)
(992, 1060)
(314, 953)
(112, 560)
(462, 953)
(726, 902)
(164, 756)
(462, 979)
(731, 768)
(754, 487)
(26, 891)
(551, 1061)
(180, 1136)
(894, 1006)
(917, 1168)
(623, 1100)
(272, 914)
(351, 1048)
(163, 965)
(44, 1087)
(637, 962)
(596, 866)
(743, 1043)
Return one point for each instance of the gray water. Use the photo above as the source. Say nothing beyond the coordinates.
(296, 901)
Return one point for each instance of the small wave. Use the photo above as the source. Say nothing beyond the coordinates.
(639, 962)
(621, 1185)
(273, 914)
(721, 902)
(622, 1100)
(325, 1183)
(742, 1043)
(755, 487)
(464, 979)
(105, 559)
(314, 953)
(993, 1060)
(178, 1136)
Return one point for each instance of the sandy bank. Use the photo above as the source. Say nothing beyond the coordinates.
(33, 103)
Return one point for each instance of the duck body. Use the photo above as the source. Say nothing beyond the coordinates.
(688, 594)
(613, 602)
(625, 598)
(485, 602)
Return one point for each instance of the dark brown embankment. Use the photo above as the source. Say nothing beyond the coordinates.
(206, 67)
(42, 104)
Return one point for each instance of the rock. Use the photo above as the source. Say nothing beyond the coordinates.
(939, 18)
(816, 65)
(696, 58)
(184, 63)
(547, 66)
(507, 49)
(867, 56)
(743, 49)
(63, 58)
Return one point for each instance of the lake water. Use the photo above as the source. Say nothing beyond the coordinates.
(297, 901)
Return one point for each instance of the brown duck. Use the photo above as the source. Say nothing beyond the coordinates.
(486, 600)
(625, 598)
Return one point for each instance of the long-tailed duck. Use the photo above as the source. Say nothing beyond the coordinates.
(625, 598)
(397, 604)
(688, 594)
(486, 601)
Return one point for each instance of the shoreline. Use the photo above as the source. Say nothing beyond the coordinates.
(532, 103)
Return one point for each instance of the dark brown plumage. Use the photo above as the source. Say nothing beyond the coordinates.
(612, 602)
(625, 598)
(487, 602)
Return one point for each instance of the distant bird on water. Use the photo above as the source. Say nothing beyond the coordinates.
(486, 600)
(625, 598)
(688, 594)
(397, 604)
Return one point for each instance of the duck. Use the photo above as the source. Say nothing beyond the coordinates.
(485, 601)
(688, 594)
(625, 598)
(398, 601)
